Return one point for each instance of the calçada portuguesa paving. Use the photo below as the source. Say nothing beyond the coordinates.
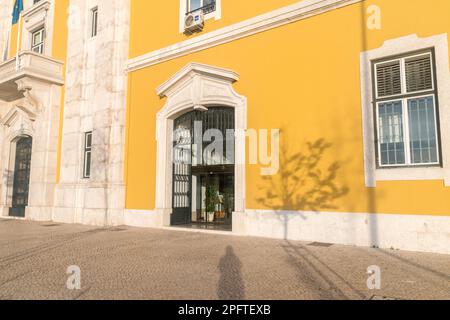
(132, 263)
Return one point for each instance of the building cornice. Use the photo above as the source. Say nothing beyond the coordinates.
(267, 21)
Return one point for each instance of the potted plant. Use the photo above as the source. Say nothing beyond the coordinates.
(211, 200)
(228, 201)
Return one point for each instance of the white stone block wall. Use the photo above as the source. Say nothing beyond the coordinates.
(5, 25)
(95, 101)
(43, 127)
(44, 153)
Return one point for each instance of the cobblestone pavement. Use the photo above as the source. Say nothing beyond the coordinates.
(130, 263)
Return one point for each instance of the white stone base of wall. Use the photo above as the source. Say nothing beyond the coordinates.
(404, 232)
(143, 219)
(422, 233)
(93, 217)
(39, 213)
(96, 205)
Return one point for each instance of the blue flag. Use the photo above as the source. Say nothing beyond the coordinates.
(18, 8)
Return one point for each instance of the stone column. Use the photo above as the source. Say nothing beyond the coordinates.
(47, 99)
(95, 101)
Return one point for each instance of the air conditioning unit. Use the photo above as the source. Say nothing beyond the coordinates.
(194, 22)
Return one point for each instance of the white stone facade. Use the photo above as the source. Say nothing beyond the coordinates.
(95, 101)
(31, 105)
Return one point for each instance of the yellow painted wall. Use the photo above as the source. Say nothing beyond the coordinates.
(59, 45)
(156, 25)
(303, 78)
(13, 40)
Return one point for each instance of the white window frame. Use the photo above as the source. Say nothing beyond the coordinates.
(406, 137)
(41, 45)
(87, 150)
(216, 15)
(93, 23)
(189, 9)
(405, 114)
(394, 48)
(36, 16)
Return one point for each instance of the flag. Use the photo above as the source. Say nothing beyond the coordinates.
(18, 8)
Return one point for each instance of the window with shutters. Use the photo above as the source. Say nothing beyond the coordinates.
(406, 111)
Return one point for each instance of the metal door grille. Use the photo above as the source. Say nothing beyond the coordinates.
(220, 118)
(21, 177)
(182, 170)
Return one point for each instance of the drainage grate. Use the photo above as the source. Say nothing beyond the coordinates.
(50, 225)
(384, 298)
(320, 244)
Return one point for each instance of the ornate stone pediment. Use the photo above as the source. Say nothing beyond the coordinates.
(196, 86)
(36, 14)
(17, 112)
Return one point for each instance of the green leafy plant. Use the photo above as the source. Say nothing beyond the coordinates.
(228, 200)
(211, 199)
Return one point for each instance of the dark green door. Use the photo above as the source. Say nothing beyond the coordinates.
(21, 177)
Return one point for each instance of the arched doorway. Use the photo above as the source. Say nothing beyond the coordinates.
(197, 87)
(21, 180)
(204, 168)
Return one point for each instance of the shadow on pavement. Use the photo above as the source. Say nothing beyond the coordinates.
(231, 285)
(318, 276)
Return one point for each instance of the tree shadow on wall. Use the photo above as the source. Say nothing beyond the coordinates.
(8, 178)
(305, 182)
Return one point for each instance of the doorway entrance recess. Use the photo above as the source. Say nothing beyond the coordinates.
(204, 168)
